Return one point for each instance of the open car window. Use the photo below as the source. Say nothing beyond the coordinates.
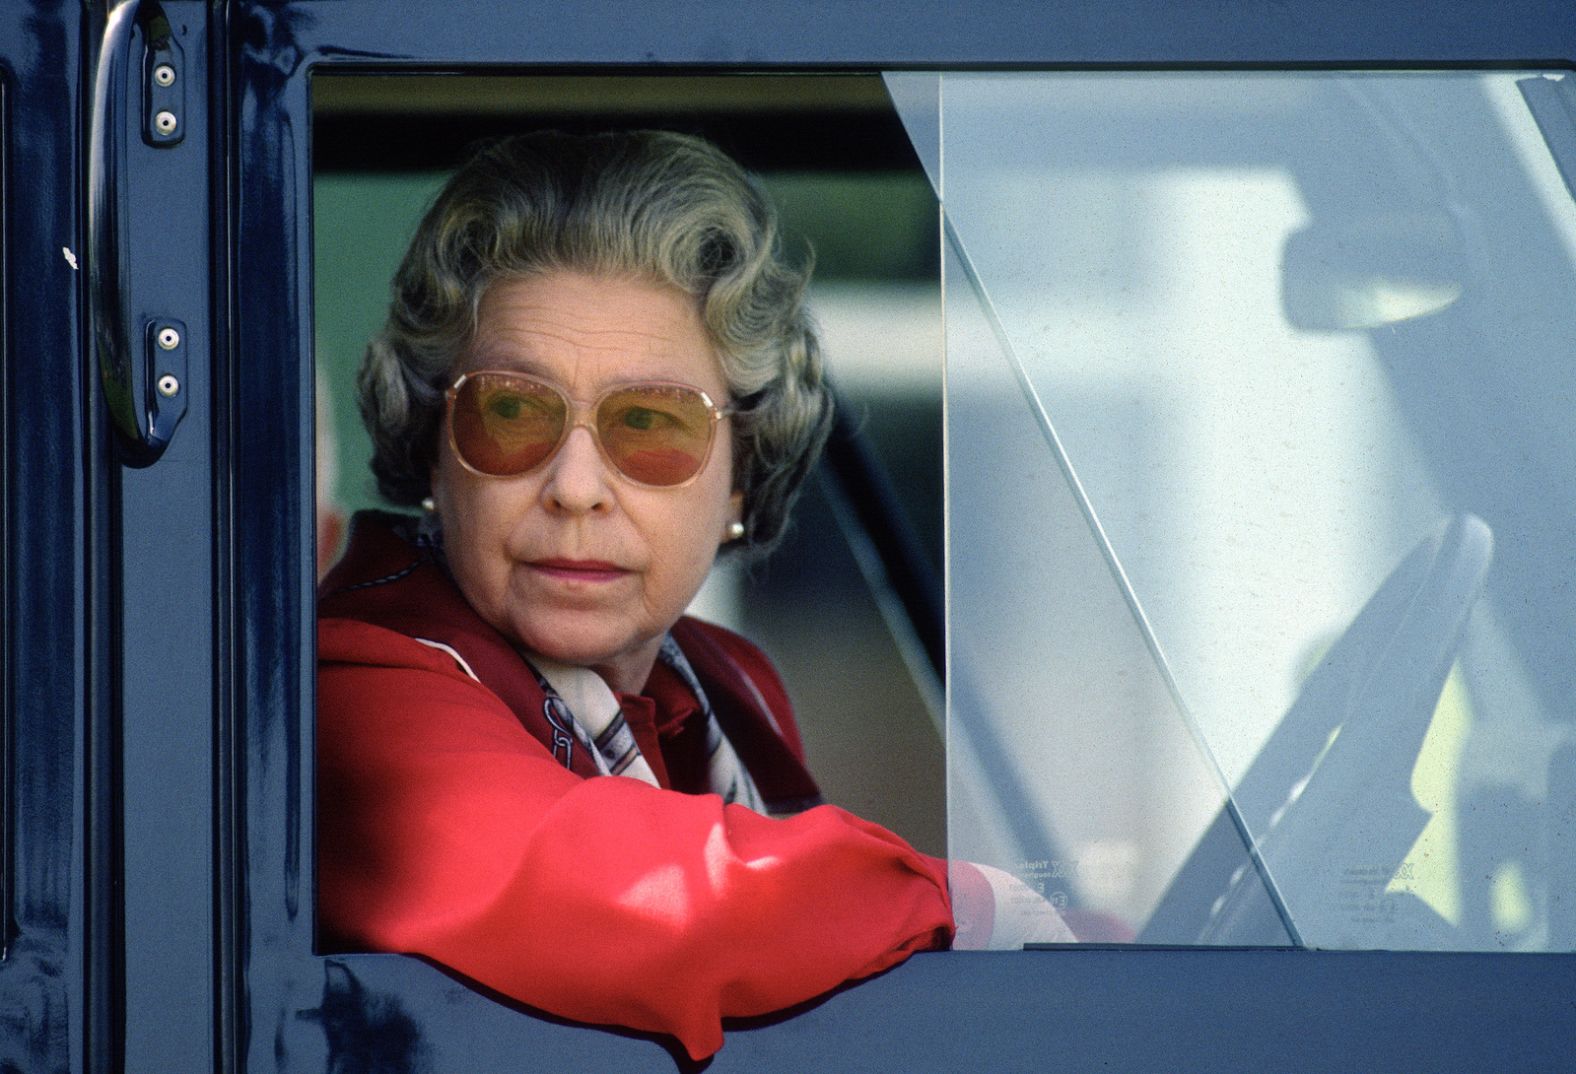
(832, 155)
(1260, 496)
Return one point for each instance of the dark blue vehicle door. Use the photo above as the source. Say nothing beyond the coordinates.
(156, 855)
(1121, 1009)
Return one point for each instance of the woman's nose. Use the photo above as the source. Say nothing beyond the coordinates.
(577, 475)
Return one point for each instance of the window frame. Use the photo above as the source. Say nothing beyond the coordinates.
(1130, 1009)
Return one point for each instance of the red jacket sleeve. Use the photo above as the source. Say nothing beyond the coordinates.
(446, 830)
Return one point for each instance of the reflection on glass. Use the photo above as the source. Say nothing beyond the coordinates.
(1372, 270)
(1262, 480)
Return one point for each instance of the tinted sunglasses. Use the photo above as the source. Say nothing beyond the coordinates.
(655, 434)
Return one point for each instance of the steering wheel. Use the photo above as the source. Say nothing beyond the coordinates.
(1332, 821)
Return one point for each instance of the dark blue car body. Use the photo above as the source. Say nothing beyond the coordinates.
(158, 622)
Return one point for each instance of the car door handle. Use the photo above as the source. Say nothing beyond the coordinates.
(142, 367)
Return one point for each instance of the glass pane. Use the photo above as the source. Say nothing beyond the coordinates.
(1259, 385)
(1070, 762)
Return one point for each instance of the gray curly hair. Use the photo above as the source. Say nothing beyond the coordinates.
(650, 204)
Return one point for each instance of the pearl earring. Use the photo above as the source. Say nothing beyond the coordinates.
(428, 506)
(735, 531)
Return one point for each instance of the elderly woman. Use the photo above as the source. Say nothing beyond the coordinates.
(597, 373)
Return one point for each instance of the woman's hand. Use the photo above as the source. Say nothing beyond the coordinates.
(995, 911)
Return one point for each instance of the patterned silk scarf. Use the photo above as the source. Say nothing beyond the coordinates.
(584, 711)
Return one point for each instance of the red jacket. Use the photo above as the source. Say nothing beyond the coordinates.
(448, 827)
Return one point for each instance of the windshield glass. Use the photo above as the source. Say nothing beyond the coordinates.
(1261, 495)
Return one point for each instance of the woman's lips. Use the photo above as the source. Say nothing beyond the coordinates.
(578, 570)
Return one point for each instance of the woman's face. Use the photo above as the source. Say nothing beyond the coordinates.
(572, 560)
